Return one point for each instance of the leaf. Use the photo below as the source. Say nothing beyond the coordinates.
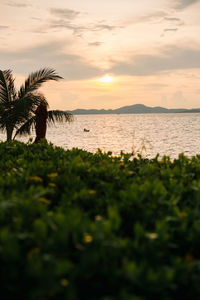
(26, 128)
(7, 89)
(59, 116)
(35, 80)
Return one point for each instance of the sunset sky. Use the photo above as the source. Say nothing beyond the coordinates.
(149, 48)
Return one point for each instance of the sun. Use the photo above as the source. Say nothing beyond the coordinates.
(106, 79)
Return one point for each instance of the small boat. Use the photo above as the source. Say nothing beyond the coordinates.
(86, 130)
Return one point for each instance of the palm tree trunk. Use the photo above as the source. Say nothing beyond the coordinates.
(9, 132)
(41, 122)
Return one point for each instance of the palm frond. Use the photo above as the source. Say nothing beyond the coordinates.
(3, 119)
(35, 80)
(58, 116)
(26, 128)
(11, 87)
(26, 106)
(7, 88)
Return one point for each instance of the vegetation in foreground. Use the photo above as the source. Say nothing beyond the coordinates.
(76, 225)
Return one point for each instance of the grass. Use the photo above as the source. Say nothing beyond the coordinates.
(77, 225)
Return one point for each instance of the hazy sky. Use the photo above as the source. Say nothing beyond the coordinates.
(150, 47)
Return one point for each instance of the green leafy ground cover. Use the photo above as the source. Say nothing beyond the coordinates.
(76, 225)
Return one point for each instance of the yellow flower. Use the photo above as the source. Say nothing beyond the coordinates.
(52, 175)
(88, 238)
(36, 179)
(91, 192)
(64, 282)
(152, 235)
(98, 218)
(182, 214)
(44, 200)
(52, 184)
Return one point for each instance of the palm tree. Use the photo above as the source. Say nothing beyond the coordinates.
(17, 108)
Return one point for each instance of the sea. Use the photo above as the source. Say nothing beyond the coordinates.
(146, 134)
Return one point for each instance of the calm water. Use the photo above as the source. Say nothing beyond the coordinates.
(168, 134)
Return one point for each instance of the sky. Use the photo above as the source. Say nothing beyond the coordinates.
(150, 49)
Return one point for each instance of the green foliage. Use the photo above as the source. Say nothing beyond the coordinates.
(77, 225)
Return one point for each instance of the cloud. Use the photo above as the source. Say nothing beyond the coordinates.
(178, 98)
(168, 30)
(157, 16)
(66, 19)
(173, 22)
(181, 4)
(3, 27)
(64, 13)
(100, 27)
(170, 58)
(77, 30)
(95, 44)
(160, 17)
(80, 29)
(37, 19)
(176, 21)
(18, 4)
(71, 67)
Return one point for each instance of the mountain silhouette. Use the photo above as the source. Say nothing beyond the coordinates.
(133, 109)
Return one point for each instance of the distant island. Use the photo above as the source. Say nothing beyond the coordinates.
(133, 109)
